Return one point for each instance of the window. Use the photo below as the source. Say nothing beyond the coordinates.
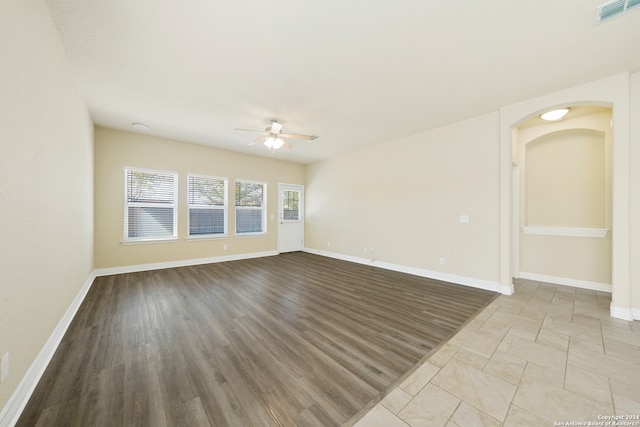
(207, 198)
(251, 201)
(150, 205)
(291, 205)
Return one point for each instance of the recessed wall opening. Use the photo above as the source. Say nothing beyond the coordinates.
(562, 198)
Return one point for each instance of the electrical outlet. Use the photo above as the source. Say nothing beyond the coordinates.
(441, 260)
(225, 247)
(4, 367)
(365, 250)
(328, 244)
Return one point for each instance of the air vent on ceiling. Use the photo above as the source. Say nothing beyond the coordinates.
(615, 8)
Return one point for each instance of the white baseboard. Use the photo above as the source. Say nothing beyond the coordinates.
(18, 400)
(437, 275)
(576, 283)
(181, 263)
(629, 314)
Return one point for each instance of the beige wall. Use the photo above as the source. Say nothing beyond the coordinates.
(46, 183)
(115, 150)
(566, 182)
(404, 199)
(634, 193)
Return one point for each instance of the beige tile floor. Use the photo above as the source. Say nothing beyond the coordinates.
(546, 356)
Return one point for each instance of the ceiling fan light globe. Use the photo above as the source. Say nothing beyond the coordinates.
(269, 142)
(278, 143)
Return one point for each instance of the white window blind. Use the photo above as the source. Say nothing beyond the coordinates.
(207, 198)
(150, 205)
(251, 201)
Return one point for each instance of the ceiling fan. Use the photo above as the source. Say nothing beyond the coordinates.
(274, 139)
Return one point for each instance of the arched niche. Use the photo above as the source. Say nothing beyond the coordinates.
(613, 92)
(565, 180)
(563, 232)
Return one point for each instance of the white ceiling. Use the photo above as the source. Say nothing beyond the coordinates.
(356, 73)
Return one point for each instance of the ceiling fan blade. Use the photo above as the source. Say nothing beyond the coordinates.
(259, 140)
(251, 130)
(298, 136)
(286, 144)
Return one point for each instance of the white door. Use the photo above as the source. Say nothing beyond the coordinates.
(290, 218)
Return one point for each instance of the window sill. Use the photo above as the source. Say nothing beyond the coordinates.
(566, 231)
(250, 235)
(148, 241)
(207, 237)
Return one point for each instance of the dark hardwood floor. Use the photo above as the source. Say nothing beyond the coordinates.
(290, 340)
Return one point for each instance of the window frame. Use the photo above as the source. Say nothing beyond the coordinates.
(224, 208)
(127, 204)
(263, 208)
